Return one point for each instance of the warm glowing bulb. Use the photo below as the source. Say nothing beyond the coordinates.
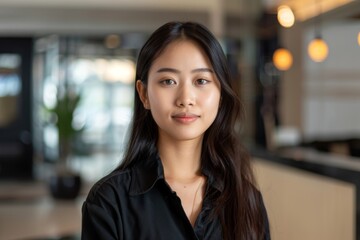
(112, 41)
(285, 16)
(122, 70)
(318, 50)
(359, 38)
(282, 59)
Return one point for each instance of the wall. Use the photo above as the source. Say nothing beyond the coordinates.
(322, 100)
(332, 88)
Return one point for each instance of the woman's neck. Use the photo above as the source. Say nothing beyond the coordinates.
(180, 159)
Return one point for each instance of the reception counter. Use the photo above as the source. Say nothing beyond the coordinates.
(309, 195)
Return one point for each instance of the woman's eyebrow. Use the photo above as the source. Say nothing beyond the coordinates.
(173, 70)
(203, 70)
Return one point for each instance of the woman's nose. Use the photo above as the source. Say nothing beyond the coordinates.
(185, 96)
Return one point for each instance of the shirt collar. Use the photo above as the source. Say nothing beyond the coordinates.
(146, 173)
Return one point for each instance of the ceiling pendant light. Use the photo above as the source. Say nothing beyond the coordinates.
(282, 59)
(318, 49)
(285, 16)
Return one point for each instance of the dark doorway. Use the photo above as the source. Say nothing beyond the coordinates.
(16, 148)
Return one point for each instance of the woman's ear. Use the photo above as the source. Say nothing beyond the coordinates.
(141, 89)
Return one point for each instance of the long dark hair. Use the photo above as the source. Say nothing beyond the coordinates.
(239, 204)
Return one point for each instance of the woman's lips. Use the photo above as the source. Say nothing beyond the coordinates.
(185, 117)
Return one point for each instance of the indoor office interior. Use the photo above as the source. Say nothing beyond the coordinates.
(66, 96)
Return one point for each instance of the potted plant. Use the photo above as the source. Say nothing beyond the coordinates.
(65, 183)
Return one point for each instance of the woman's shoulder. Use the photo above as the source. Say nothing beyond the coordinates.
(130, 181)
(115, 183)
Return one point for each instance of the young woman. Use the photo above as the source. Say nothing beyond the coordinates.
(184, 175)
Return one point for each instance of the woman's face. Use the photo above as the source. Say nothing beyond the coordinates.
(182, 93)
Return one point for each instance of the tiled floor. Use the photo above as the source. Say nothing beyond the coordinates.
(28, 212)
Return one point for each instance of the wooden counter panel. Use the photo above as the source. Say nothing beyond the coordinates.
(303, 205)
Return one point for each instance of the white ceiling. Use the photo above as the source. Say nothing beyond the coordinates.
(105, 16)
(94, 16)
(303, 8)
(114, 4)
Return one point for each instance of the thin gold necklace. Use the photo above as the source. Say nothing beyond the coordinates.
(193, 204)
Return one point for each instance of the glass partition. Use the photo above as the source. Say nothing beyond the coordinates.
(102, 77)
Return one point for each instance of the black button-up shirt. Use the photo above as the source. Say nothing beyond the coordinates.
(137, 204)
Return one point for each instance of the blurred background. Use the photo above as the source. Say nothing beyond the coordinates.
(66, 95)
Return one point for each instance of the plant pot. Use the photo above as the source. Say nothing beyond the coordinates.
(66, 186)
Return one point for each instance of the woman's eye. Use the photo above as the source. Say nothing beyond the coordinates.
(202, 81)
(168, 82)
